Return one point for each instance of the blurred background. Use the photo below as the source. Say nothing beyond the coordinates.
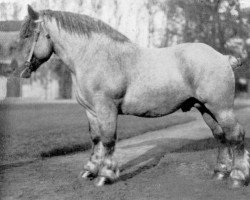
(222, 24)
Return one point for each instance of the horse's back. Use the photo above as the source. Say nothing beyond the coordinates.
(204, 70)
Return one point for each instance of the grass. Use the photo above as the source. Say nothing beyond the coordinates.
(31, 131)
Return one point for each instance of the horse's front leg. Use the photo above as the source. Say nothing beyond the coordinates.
(92, 167)
(103, 134)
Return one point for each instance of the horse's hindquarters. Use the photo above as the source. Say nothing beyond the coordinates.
(209, 75)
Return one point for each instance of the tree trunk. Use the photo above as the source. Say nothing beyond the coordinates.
(65, 85)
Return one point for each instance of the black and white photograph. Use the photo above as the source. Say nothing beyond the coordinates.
(124, 99)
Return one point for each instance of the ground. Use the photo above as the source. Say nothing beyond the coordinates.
(172, 163)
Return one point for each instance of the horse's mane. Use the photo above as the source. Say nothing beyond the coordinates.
(75, 23)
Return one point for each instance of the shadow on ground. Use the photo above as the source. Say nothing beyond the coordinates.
(173, 169)
(152, 157)
(66, 150)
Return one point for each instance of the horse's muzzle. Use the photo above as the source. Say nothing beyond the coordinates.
(24, 71)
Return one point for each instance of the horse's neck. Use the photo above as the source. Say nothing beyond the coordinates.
(67, 47)
(77, 51)
(74, 50)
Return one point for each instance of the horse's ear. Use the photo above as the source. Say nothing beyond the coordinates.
(32, 13)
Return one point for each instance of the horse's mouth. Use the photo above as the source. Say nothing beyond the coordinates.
(23, 72)
(26, 73)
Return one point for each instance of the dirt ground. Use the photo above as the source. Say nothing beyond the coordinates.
(174, 163)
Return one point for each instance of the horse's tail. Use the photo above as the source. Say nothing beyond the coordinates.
(234, 62)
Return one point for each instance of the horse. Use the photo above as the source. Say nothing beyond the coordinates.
(114, 76)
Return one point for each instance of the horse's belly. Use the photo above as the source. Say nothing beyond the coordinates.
(153, 104)
(155, 89)
(146, 109)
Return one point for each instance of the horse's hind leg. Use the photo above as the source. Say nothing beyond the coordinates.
(234, 135)
(103, 134)
(224, 159)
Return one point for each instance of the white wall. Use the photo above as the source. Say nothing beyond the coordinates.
(37, 90)
(3, 87)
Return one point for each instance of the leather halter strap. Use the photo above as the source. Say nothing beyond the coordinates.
(37, 33)
(27, 67)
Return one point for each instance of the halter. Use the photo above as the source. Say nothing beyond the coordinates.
(40, 23)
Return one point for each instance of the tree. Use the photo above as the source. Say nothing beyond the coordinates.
(219, 23)
(13, 83)
(213, 22)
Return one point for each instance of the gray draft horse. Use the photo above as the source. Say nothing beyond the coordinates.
(114, 76)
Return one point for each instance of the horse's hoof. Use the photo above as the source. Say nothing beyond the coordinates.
(219, 176)
(237, 184)
(100, 181)
(86, 174)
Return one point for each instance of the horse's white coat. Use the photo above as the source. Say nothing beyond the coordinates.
(165, 72)
(114, 76)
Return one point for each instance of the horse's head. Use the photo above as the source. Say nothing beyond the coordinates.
(36, 45)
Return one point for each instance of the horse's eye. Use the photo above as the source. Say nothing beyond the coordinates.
(25, 36)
